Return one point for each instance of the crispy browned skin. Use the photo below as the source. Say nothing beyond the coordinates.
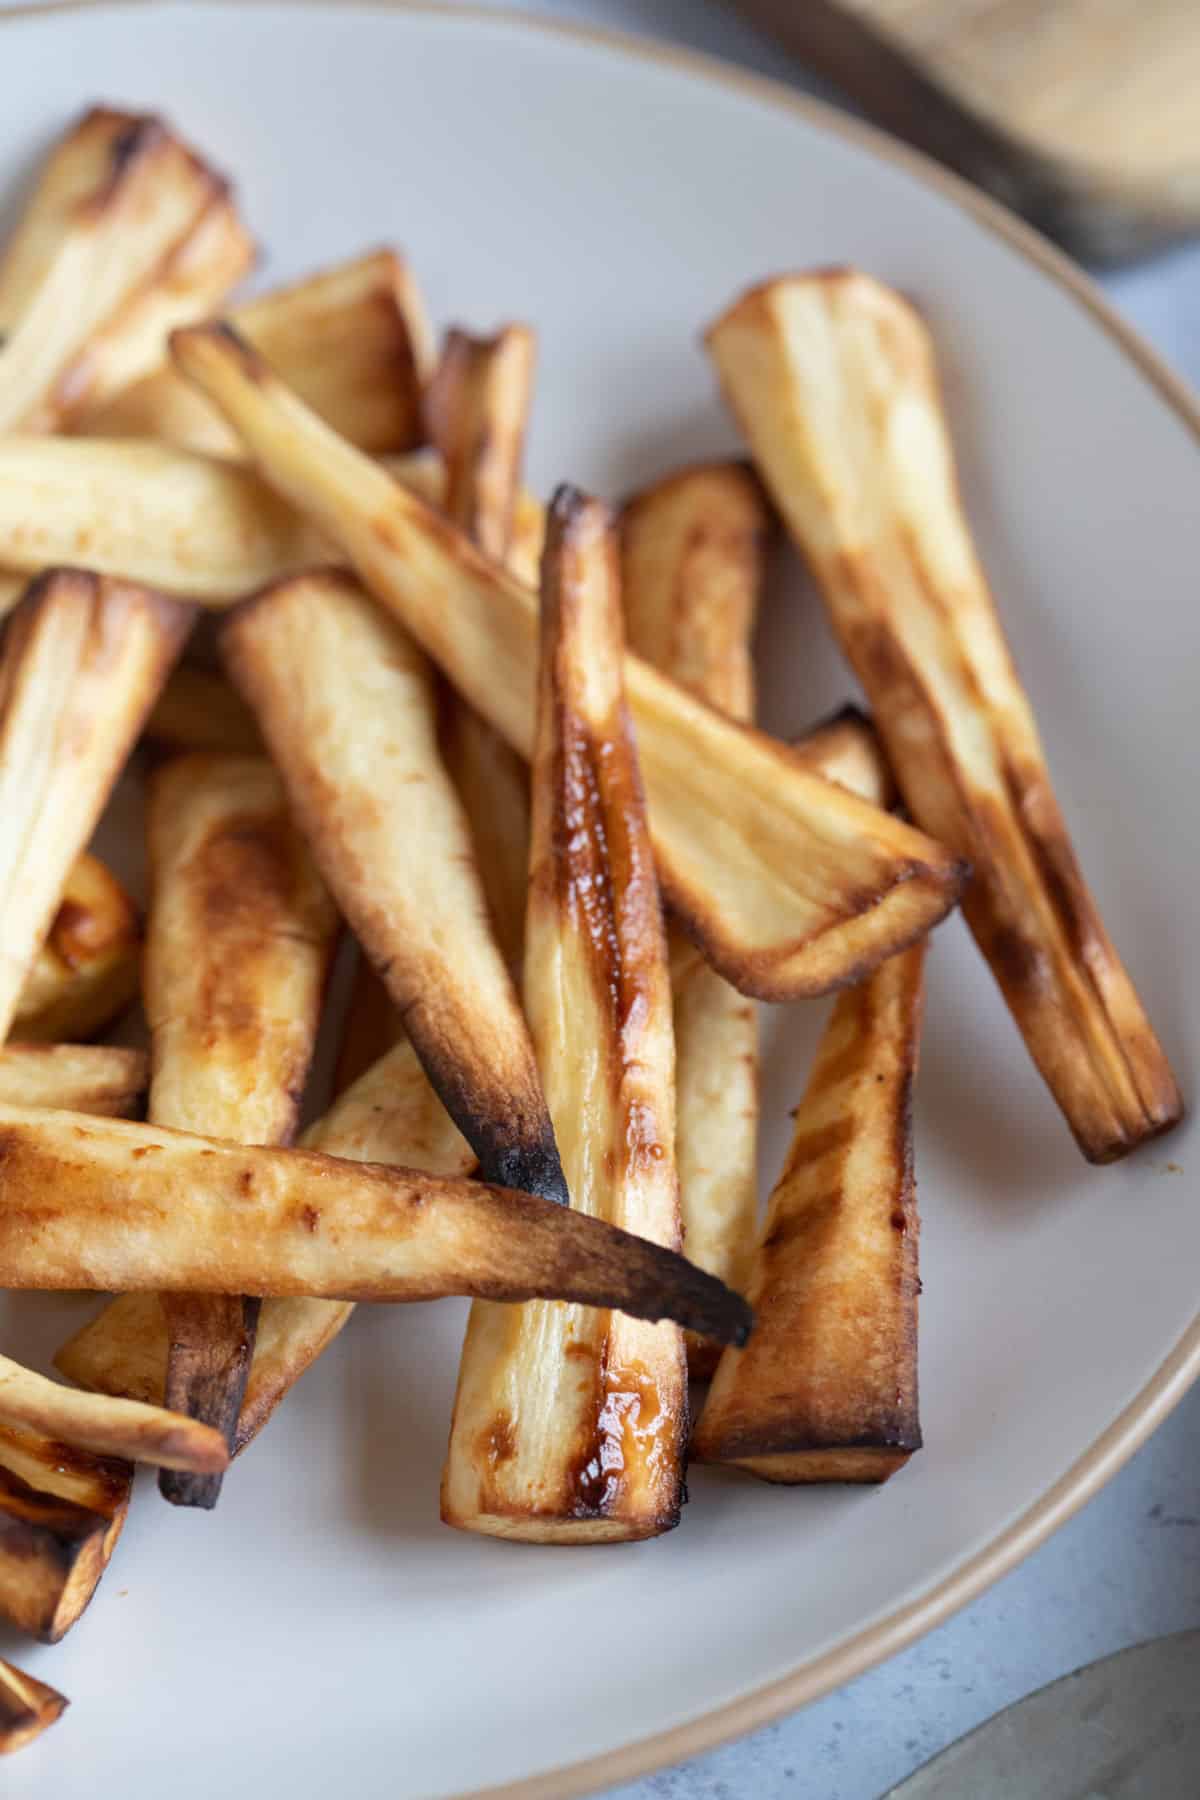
(791, 886)
(833, 379)
(691, 569)
(84, 659)
(198, 710)
(826, 1390)
(569, 1424)
(347, 705)
(116, 196)
(86, 971)
(97, 1422)
(61, 1512)
(93, 1078)
(27, 1708)
(108, 1204)
(352, 339)
(239, 938)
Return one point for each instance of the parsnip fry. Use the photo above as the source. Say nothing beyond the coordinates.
(353, 340)
(241, 931)
(570, 1425)
(83, 662)
(86, 971)
(346, 703)
(117, 194)
(827, 1388)
(27, 1708)
(833, 379)
(91, 1078)
(96, 1422)
(845, 749)
(691, 569)
(61, 1512)
(198, 710)
(81, 1208)
(792, 887)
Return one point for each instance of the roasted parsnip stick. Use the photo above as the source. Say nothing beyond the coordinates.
(346, 703)
(570, 1425)
(117, 194)
(87, 968)
(691, 569)
(27, 1708)
(198, 710)
(845, 749)
(82, 664)
(91, 1078)
(96, 1422)
(792, 887)
(832, 377)
(353, 340)
(827, 1388)
(61, 1512)
(239, 938)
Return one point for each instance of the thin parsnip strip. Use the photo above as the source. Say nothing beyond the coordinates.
(91, 1078)
(97, 1422)
(83, 662)
(570, 1424)
(347, 705)
(198, 710)
(791, 886)
(27, 1707)
(833, 378)
(86, 971)
(61, 1512)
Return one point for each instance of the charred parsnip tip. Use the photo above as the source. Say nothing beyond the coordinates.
(83, 662)
(27, 1707)
(353, 340)
(116, 196)
(569, 1424)
(96, 1422)
(61, 1512)
(832, 378)
(198, 710)
(108, 1204)
(347, 705)
(826, 1390)
(791, 886)
(86, 971)
(91, 1078)
(691, 569)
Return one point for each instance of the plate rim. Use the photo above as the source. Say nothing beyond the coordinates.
(1135, 1423)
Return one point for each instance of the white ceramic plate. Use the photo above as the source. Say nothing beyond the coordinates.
(322, 1632)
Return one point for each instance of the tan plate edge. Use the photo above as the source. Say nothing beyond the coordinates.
(1167, 1386)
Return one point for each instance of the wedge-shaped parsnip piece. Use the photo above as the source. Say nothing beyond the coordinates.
(117, 194)
(81, 1208)
(570, 1424)
(832, 377)
(691, 568)
(82, 664)
(182, 523)
(86, 971)
(478, 406)
(347, 705)
(239, 938)
(198, 710)
(353, 340)
(91, 1078)
(27, 1707)
(827, 1388)
(61, 1513)
(791, 886)
(96, 1422)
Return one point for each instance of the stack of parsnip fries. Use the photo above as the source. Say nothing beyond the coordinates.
(571, 867)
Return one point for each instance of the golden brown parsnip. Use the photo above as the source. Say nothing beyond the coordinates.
(832, 377)
(83, 661)
(97, 1422)
(791, 886)
(86, 971)
(352, 339)
(116, 195)
(198, 710)
(570, 1424)
(91, 1078)
(239, 938)
(845, 749)
(61, 1512)
(827, 1388)
(347, 705)
(27, 1708)
(691, 569)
